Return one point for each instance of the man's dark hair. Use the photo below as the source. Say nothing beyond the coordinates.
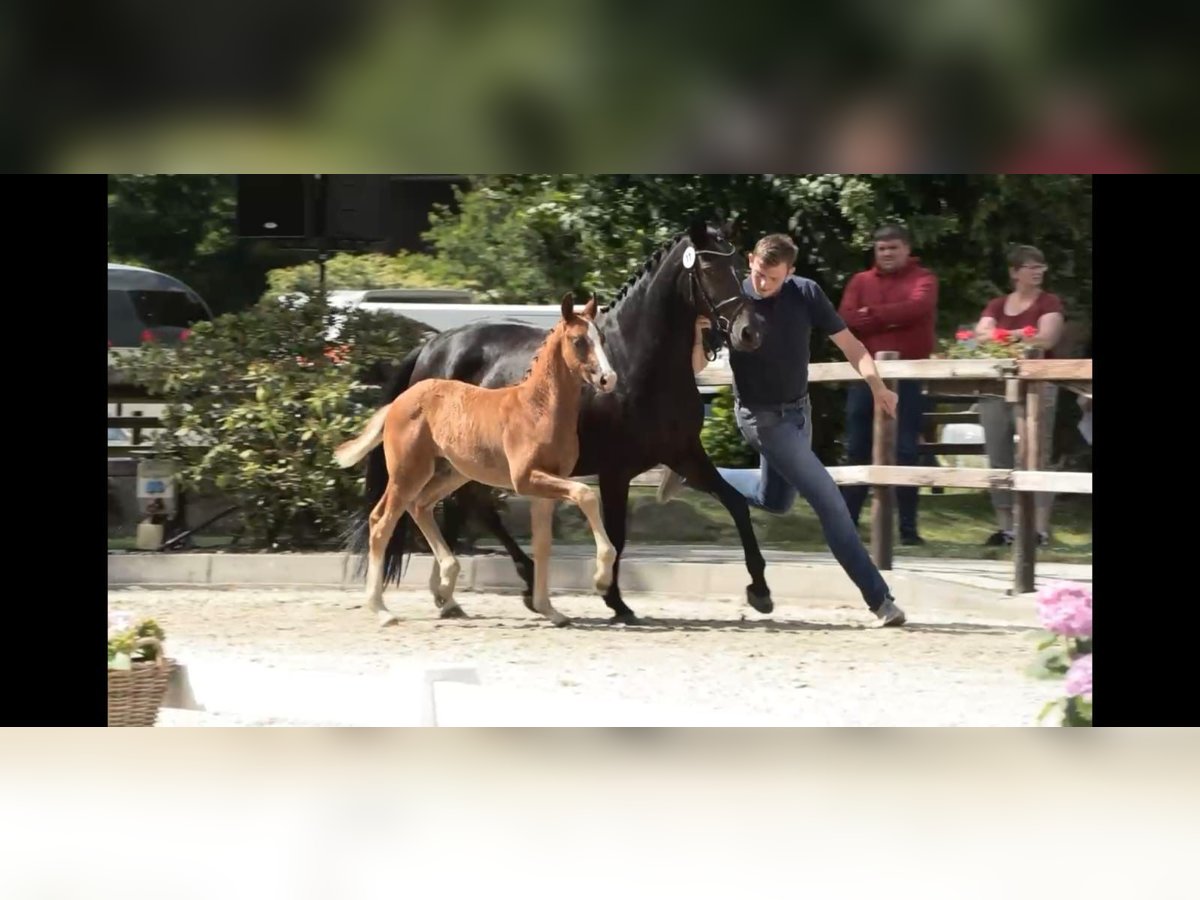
(775, 249)
(893, 232)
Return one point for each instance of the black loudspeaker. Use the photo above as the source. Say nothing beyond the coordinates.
(357, 207)
(275, 206)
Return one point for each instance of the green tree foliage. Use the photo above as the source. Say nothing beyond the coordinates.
(256, 401)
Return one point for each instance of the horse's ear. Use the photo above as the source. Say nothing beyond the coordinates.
(589, 308)
(698, 232)
(568, 306)
(728, 224)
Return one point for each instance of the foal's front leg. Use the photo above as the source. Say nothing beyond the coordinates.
(541, 522)
(536, 483)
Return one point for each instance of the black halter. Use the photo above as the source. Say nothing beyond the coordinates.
(721, 324)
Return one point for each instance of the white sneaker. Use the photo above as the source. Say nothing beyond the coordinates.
(670, 486)
(889, 614)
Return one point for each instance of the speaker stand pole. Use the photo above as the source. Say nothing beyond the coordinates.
(322, 247)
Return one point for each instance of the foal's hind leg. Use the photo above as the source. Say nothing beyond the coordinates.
(445, 567)
(404, 483)
(384, 516)
(541, 521)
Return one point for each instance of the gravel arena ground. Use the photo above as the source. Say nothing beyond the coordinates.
(806, 664)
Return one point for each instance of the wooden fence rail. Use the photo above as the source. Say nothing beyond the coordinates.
(1018, 381)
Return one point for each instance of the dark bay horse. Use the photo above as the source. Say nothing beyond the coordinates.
(442, 433)
(655, 414)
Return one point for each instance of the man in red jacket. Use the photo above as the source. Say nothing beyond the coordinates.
(891, 306)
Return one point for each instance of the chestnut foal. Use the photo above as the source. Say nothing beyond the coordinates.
(440, 434)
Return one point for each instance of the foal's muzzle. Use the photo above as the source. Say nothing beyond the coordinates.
(604, 382)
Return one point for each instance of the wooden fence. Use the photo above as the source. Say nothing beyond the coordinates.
(1016, 380)
(953, 380)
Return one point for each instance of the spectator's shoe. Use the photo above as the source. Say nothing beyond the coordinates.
(999, 539)
(670, 486)
(911, 539)
(889, 614)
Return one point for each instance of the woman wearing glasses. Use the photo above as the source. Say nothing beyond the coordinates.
(1038, 315)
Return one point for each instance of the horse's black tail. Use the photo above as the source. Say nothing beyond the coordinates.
(359, 534)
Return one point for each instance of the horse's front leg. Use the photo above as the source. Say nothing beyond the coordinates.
(482, 504)
(701, 474)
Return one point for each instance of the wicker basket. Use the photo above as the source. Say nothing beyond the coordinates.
(135, 695)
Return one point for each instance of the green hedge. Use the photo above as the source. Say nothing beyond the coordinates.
(256, 401)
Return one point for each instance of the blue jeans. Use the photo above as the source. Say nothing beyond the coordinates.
(782, 435)
(860, 438)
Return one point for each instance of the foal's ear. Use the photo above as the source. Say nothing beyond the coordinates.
(589, 308)
(568, 306)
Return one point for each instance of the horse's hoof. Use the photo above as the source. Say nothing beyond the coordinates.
(454, 611)
(629, 617)
(760, 601)
(560, 621)
(386, 619)
(527, 599)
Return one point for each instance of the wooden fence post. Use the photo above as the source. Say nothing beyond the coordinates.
(1030, 427)
(883, 502)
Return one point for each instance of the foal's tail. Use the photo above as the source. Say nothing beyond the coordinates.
(358, 536)
(353, 450)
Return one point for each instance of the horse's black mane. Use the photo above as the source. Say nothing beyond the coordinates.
(650, 265)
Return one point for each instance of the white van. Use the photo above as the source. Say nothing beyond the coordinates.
(441, 309)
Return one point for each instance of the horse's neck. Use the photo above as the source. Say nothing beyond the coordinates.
(653, 332)
(551, 389)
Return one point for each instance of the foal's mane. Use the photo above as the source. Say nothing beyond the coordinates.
(558, 329)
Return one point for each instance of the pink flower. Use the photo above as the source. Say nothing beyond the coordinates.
(1065, 608)
(964, 335)
(1001, 334)
(1029, 331)
(1079, 678)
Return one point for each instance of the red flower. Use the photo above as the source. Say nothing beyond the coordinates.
(1029, 331)
(963, 335)
(1001, 334)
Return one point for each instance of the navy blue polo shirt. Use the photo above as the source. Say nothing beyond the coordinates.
(777, 372)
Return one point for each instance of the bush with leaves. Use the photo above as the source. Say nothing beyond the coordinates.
(256, 402)
(365, 271)
(721, 437)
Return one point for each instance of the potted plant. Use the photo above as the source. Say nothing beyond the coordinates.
(138, 670)
(1003, 344)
